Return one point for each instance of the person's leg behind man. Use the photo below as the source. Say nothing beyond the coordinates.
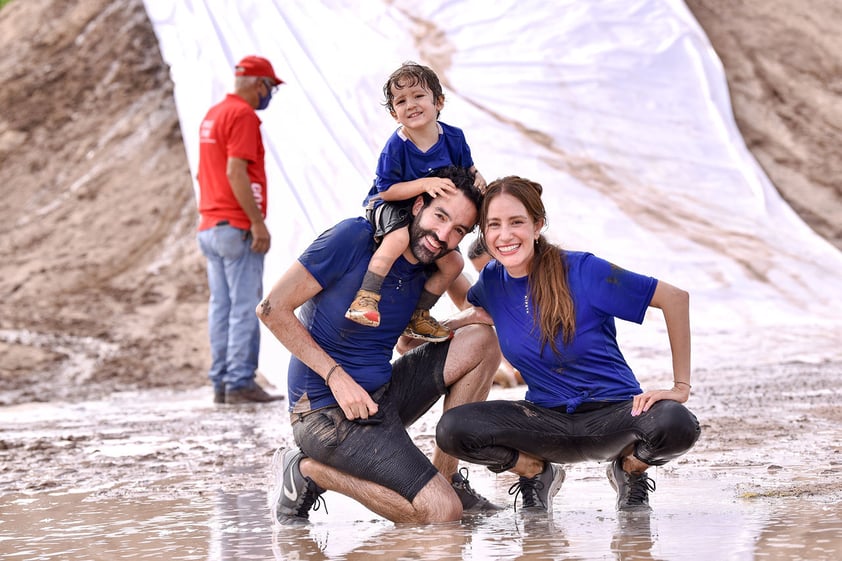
(244, 276)
(219, 306)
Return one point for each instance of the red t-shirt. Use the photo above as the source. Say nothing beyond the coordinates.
(231, 128)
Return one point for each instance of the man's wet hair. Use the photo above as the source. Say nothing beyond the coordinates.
(462, 178)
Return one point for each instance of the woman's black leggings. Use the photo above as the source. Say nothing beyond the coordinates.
(491, 433)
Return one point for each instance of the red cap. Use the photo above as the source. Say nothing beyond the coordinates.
(256, 66)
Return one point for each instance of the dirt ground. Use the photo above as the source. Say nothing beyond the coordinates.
(783, 63)
(102, 287)
(763, 437)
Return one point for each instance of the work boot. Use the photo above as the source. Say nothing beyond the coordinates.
(472, 502)
(293, 495)
(537, 492)
(364, 310)
(632, 488)
(424, 326)
(250, 394)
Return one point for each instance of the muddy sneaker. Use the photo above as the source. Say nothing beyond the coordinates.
(538, 492)
(293, 495)
(364, 310)
(632, 488)
(424, 326)
(472, 502)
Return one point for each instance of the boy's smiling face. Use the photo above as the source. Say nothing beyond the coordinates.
(413, 106)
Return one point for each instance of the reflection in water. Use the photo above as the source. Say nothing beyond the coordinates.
(702, 521)
(298, 542)
(540, 537)
(79, 527)
(238, 527)
(387, 541)
(633, 538)
(802, 535)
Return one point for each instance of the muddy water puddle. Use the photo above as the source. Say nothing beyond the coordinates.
(169, 476)
(692, 520)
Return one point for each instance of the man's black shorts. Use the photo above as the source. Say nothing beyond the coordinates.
(379, 449)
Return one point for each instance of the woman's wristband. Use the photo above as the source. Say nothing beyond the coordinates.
(330, 372)
(676, 382)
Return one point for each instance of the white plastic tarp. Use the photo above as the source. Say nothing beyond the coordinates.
(619, 108)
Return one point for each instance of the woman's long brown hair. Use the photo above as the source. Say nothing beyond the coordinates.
(547, 278)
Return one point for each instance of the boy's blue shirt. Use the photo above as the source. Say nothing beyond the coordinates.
(402, 161)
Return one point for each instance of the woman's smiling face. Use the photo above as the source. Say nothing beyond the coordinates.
(510, 234)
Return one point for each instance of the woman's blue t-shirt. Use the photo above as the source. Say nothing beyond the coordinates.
(591, 367)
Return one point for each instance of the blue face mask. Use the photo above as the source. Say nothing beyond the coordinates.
(263, 102)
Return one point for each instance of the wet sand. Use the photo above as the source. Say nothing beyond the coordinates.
(167, 474)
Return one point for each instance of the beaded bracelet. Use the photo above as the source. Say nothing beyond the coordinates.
(685, 383)
(329, 372)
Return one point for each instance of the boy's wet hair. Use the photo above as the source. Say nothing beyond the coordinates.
(408, 75)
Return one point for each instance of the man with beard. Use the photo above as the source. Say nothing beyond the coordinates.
(349, 404)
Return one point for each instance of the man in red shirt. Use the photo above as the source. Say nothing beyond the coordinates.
(232, 232)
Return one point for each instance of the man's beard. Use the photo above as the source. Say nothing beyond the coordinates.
(417, 246)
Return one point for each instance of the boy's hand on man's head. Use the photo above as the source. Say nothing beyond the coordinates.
(435, 186)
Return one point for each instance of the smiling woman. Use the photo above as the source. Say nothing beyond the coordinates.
(554, 313)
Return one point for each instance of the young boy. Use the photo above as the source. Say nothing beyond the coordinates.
(421, 144)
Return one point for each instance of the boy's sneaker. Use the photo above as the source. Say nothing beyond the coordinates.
(364, 309)
(424, 326)
(632, 488)
(472, 502)
(538, 492)
(293, 494)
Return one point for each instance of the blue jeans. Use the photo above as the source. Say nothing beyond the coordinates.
(235, 278)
